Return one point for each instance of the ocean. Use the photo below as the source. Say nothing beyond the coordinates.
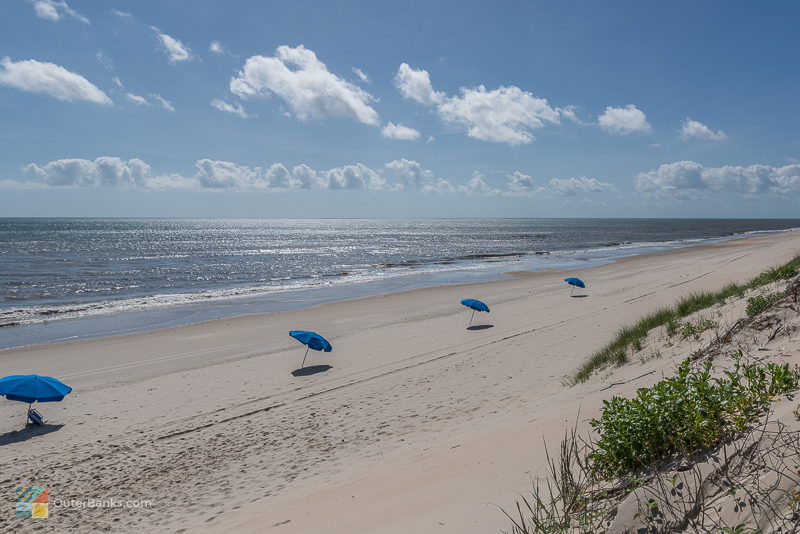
(73, 278)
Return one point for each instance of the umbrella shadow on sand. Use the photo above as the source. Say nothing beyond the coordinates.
(480, 326)
(311, 370)
(16, 436)
(579, 296)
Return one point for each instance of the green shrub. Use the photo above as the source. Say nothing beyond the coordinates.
(775, 274)
(759, 303)
(786, 272)
(683, 414)
(689, 329)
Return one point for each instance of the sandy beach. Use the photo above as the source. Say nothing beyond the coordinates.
(419, 425)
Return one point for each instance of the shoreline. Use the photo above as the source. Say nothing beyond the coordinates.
(109, 323)
(412, 423)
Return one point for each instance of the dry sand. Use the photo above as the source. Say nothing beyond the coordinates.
(420, 425)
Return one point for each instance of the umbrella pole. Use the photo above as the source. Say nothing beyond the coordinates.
(573, 291)
(471, 317)
(304, 358)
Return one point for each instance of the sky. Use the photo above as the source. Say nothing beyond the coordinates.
(261, 109)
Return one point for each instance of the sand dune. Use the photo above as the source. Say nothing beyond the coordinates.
(419, 425)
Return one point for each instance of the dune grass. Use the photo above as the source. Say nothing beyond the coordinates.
(631, 337)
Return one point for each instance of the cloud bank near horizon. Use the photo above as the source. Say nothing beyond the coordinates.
(688, 179)
(218, 175)
(678, 180)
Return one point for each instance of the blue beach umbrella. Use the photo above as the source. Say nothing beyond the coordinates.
(475, 305)
(33, 388)
(312, 340)
(574, 282)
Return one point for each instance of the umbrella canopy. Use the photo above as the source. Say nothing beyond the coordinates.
(574, 281)
(33, 388)
(312, 339)
(476, 305)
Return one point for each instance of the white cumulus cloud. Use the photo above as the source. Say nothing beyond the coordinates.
(692, 128)
(51, 10)
(398, 131)
(520, 183)
(411, 175)
(502, 115)
(672, 177)
(356, 176)
(234, 108)
(304, 82)
(478, 187)
(439, 186)
(39, 77)
(623, 121)
(397, 175)
(416, 85)
(304, 177)
(176, 51)
(103, 171)
(278, 177)
(215, 174)
(689, 179)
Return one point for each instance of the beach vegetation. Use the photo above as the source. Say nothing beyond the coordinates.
(759, 303)
(650, 513)
(568, 501)
(691, 329)
(776, 274)
(685, 413)
(672, 326)
(793, 500)
(631, 338)
(651, 446)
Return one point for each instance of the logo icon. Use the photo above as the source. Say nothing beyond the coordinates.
(32, 502)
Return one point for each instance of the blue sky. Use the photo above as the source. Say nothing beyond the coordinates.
(414, 109)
